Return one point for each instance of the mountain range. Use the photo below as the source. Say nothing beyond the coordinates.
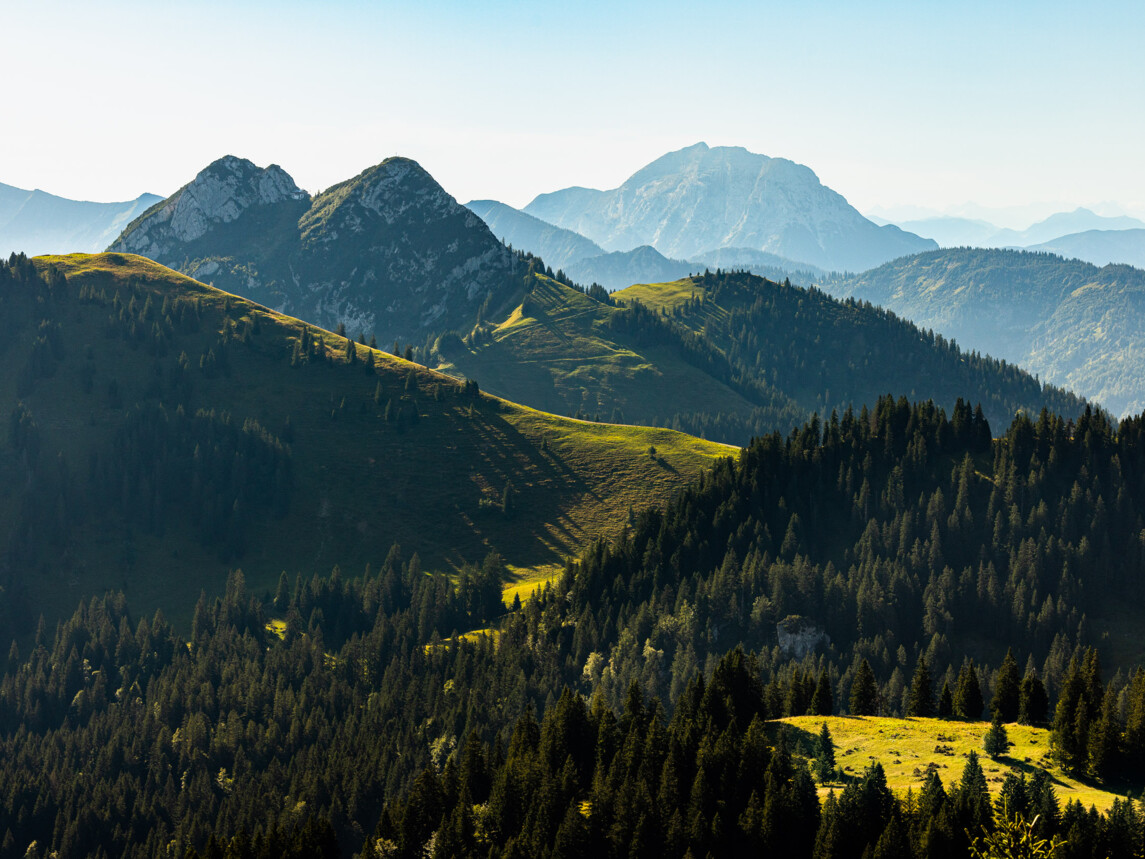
(699, 199)
(36, 222)
(390, 255)
(587, 262)
(1080, 234)
(387, 254)
(1074, 324)
(1100, 247)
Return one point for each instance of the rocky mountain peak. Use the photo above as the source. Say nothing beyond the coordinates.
(387, 252)
(700, 198)
(219, 194)
(224, 190)
(394, 192)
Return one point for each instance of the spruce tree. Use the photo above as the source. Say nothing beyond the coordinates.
(972, 797)
(864, 692)
(822, 703)
(1033, 702)
(968, 693)
(825, 756)
(997, 741)
(1007, 689)
(282, 592)
(945, 702)
(920, 701)
(1104, 740)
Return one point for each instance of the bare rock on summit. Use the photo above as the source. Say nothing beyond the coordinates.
(387, 253)
(218, 195)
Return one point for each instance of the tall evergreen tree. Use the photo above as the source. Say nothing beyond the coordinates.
(972, 797)
(920, 700)
(822, 703)
(1033, 702)
(968, 693)
(825, 756)
(864, 699)
(1006, 700)
(945, 702)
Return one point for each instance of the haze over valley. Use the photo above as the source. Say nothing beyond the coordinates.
(556, 430)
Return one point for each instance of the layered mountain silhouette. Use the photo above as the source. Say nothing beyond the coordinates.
(1061, 224)
(558, 247)
(1100, 247)
(1071, 322)
(700, 199)
(1080, 234)
(587, 262)
(391, 254)
(387, 253)
(36, 222)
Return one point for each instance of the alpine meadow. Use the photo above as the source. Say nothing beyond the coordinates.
(667, 499)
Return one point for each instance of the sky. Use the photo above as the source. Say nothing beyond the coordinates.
(903, 108)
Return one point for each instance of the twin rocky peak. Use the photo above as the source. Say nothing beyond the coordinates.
(387, 253)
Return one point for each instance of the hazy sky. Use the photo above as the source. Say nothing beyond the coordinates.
(891, 104)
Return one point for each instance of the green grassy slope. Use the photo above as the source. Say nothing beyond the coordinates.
(906, 748)
(826, 354)
(725, 356)
(360, 482)
(557, 351)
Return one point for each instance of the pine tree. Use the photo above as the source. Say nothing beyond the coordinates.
(920, 701)
(945, 702)
(282, 592)
(1033, 702)
(864, 699)
(972, 797)
(1069, 736)
(997, 741)
(825, 756)
(1007, 689)
(822, 703)
(968, 693)
(1104, 737)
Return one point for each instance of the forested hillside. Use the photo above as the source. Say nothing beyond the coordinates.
(1074, 324)
(880, 561)
(827, 354)
(160, 432)
(724, 356)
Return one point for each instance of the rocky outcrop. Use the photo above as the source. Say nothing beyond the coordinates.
(799, 636)
(219, 195)
(388, 253)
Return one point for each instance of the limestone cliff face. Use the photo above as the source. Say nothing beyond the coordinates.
(387, 253)
(800, 636)
(219, 195)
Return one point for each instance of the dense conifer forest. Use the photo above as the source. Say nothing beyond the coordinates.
(891, 560)
(824, 353)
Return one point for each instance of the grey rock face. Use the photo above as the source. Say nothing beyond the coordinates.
(218, 195)
(700, 198)
(387, 253)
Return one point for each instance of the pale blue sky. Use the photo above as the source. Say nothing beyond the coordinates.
(892, 104)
